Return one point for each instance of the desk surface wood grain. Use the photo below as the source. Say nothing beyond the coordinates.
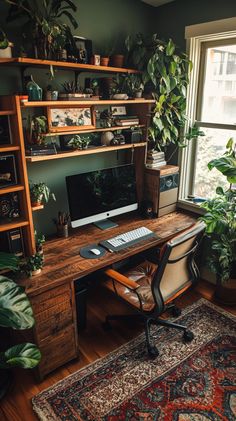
(63, 262)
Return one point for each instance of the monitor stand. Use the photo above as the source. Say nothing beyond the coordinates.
(105, 224)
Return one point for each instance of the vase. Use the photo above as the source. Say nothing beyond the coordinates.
(117, 60)
(62, 231)
(104, 61)
(33, 90)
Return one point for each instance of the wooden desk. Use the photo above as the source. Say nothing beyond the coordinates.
(52, 293)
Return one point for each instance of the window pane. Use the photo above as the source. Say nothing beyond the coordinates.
(210, 147)
(219, 88)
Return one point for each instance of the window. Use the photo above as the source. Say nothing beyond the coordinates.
(211, 105)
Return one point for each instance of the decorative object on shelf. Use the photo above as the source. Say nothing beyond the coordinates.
(127, 120)
(9, 207)
(78, 142)
(12, 242)
(50, 94)
(5, 46)
(118, 139)
(106, 138)
(5, 130)
(36, 130)
(95, 59)
(165, 77)
(73, 118)
(72, 92)
(106, 118)
(133, 135)
(23, 99)
(40, 192)
(146, 209)
(220, 227)
(16, 313)
(134, 85)
(117, 60)
(41, 150)
(119, 87)
(35, 93)
(104, 61)
(84, 49)
(62, 224)
(43, 22)
(155, 159)
(34, 265)
(8, 175)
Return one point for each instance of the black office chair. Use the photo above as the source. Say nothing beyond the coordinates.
(150, 288)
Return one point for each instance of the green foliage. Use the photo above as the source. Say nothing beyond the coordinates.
(3, 40)
(77, 142)
(165, 75)
(220, 220)
(38, 127)
(40, 192)
(9, 261)
(24, 355)
(227, 163)
(34, 262)
(45, 21)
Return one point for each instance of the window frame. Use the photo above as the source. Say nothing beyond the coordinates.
(196, 50)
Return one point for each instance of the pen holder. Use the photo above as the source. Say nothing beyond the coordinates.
(62, 230)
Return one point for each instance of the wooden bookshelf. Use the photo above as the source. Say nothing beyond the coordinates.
(32, 62)
(87, 103)
(9, 148)
(37, 208)
(16, 223)
(7, 112)
(11, 189)
(89, 151)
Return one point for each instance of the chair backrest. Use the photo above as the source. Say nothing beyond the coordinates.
(177, 268)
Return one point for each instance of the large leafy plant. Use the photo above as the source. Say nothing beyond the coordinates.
(165, 75)
(15, 313)
(43, 21)
(220, 218)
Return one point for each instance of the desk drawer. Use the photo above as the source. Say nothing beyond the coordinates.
(51, 298)
(58, 351)
(49, 326)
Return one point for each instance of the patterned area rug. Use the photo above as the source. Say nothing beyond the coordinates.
(186, 382)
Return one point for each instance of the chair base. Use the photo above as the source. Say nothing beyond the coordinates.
(151, 348)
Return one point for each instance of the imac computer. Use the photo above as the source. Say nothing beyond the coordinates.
(98, 195)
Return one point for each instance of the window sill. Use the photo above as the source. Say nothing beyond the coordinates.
(190, 206)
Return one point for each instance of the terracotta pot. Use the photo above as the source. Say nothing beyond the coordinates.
(104, 61)
(226, 293)
(36, 203)
(117, 60)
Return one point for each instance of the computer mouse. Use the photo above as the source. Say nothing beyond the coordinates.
(95, 251)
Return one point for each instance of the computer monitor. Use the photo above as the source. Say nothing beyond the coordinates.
(98, 195)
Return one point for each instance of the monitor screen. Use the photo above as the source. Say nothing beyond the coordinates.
(101, 194)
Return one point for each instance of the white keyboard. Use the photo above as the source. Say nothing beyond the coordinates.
(123, 240)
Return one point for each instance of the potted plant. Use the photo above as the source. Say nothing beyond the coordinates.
(43, 21)
(34, 264)
(37, 129)
(220, 220)
(165, 78)
(79, 142)
(15, 313)
(5, 46)
(40, 192)
(71, 91)
(39, 241)
(134, 85)
(119, 88)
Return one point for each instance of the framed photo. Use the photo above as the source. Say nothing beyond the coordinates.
(84, 49)
(118, 110)
(5, 130)
(8, 176)
(64, 119)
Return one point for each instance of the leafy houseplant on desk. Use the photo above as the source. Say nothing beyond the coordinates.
(220, 219)
(15, 313)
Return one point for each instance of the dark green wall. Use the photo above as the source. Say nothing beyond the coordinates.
(172, 18)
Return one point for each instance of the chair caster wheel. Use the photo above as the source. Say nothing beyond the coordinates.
(106, 326)
(188, 336)
(153, 351)
(176, 312)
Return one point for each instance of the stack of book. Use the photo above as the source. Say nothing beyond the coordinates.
(127, 120)
(155, 159)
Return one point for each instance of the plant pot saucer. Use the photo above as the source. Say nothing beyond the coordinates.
(36, 272)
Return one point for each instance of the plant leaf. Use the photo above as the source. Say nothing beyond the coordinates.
(25, 355)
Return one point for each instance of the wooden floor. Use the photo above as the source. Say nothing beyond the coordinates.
(94, 343)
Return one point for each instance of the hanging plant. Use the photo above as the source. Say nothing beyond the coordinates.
(165, 77)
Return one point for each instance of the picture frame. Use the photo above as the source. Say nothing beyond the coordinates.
(84, 49)
(118, 110)
(70, 118)
(5, 130)
(8, 173)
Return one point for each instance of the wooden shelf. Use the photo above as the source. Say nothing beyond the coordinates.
(7, 112)
(89, 151)
(32, 62)
(36, 208)
(17, 223)
(99, 129)
(11, 189)
(9, 148)
(82, 103)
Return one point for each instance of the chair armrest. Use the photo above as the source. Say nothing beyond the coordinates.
(122, 279)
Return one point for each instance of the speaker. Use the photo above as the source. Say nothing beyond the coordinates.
(161, 188)
(12, 242)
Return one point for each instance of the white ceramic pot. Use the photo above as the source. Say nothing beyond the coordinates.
(6, 52)
(120, 96)
(106, 138)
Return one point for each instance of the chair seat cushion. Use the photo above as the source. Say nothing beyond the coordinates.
(142, 275)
